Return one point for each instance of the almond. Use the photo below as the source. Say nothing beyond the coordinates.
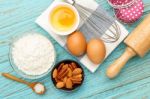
(69, 72)
(55, 73)
(63, 74)
(69, 83)
(57, 80)
(77, 76)
(76, 79)
(65, 66)
(60, 66)
(77, 71)
(60, 85)
(73, 65)
(70, 66)
(65, 79)
(63, 71)
(76, 82)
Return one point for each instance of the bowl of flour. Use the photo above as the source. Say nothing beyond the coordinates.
(32, 55)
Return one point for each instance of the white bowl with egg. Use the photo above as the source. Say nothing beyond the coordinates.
(32, 55)
(63, 18)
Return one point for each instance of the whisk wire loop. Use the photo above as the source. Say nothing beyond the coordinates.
(98, 22)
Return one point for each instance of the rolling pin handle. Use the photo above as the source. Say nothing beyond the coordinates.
(114, 69)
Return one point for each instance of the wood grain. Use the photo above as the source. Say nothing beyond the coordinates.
(18, 16)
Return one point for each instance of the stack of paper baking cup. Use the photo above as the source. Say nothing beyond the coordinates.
(128, 11)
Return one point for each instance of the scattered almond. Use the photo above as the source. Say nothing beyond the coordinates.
(60, 85)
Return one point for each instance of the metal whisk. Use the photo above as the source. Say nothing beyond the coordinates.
(97, 23)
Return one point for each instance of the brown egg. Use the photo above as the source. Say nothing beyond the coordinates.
(96, 50)
(76, 43)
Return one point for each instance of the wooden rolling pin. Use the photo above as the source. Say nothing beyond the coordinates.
(138, 43)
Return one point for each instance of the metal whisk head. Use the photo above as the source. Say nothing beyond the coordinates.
(97, 23)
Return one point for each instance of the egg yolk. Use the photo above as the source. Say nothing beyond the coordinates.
(63, 18)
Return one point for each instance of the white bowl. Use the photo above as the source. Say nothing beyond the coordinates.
(75, 11)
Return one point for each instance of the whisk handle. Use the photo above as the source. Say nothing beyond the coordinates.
(114, 69)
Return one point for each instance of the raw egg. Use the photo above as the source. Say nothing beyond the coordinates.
(63, 18)
(76, 43)
(96, 51)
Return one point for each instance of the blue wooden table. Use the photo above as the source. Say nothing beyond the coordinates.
(18, 16)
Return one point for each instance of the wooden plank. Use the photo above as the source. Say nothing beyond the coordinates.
(136, 90)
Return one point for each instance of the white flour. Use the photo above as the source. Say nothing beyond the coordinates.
(33, 54)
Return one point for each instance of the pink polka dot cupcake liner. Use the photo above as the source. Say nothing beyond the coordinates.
(121, 3)
(130, 13)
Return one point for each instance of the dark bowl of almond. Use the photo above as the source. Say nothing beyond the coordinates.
(67, 75)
